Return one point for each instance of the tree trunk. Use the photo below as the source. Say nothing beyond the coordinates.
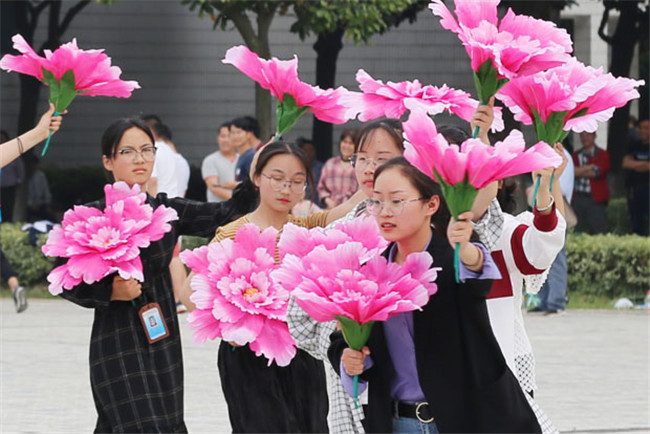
(263, 96)
(623, 43)
(30, 89)
(327, 49)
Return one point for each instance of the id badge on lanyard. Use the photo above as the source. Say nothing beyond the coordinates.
(153, 322)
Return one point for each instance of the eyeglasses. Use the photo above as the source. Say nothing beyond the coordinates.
(279, 184)
(148, 153)
(361, 161)
(395, 207)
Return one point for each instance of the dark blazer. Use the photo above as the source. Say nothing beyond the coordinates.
(461, 369)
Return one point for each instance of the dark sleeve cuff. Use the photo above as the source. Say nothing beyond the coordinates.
(545, 223)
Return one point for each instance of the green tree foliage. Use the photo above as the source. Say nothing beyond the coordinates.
(329, 20)
(253, 20)
(359, 19)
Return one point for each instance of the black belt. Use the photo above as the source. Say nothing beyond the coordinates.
(420, 411)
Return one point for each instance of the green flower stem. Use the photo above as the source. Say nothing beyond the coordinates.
(49, 137)
(536, 190)
(475, 135)
(457, 262)
(355, 335)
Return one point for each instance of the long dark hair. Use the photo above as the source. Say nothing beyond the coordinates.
(424, 185)
(246, 196)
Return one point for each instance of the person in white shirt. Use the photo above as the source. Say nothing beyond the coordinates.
(218, 168)
(167, 178)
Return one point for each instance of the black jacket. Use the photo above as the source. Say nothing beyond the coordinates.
(461, 369)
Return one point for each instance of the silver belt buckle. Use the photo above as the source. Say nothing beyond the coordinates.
(417, 413)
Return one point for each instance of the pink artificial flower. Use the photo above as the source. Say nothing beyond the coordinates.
(235, 297)
(518, 45)
(327, 283)
(473, 161)
(93, 73)
(391, 100)
(578, 95)
(99, 243)
(295, 97)
(299, 241)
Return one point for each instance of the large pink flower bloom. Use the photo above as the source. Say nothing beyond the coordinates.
(295, 97)
(518, 45)
(92, 73)
(332, 277)
(331, 283)
(299, 241)
(99, 243)
(570, 97)
(472, 165)
(235, 297)
(390, 99)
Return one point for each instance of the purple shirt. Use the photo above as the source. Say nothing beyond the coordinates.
(405, 386)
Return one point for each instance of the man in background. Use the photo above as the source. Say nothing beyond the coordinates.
(218, 168)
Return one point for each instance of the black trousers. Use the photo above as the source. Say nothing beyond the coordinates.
(273, 399)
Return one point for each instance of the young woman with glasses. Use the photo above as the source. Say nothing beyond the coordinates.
(137, 386)
(439, 369)
(264, 398)
(375, 144)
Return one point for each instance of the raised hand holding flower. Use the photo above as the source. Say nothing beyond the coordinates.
(518, 45)
(69, 71)
(463, 169)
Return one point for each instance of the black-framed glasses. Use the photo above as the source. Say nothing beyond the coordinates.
(148, 153)
(361, 161)
(278, 184)
(395, 207)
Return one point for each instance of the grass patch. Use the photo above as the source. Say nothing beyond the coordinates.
(592, 301)
(38, 290)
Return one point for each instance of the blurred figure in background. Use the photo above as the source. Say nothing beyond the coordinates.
(337, 180)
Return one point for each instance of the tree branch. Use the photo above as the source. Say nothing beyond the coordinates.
(264, 20)
(603, 23)
(70, 15)
(243, 25)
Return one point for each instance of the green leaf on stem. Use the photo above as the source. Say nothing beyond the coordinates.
(551, 131)
(287, 114)
(355, 334)
(459, 197)
(487, 81)
(61, 92)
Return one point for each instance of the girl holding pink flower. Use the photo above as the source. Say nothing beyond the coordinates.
(290, 398)
(137, 386)
(440, 368)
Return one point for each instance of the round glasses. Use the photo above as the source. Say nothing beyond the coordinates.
(279, 184)
(394, 207)
(148, 153)
(361, 161)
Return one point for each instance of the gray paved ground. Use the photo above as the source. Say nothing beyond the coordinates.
(593, 369)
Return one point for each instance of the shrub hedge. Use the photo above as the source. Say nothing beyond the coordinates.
(618, 218)
(604, 265)
(608, 265)
(29, 263)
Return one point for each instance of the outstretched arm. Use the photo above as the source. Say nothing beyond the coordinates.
(14, 148)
